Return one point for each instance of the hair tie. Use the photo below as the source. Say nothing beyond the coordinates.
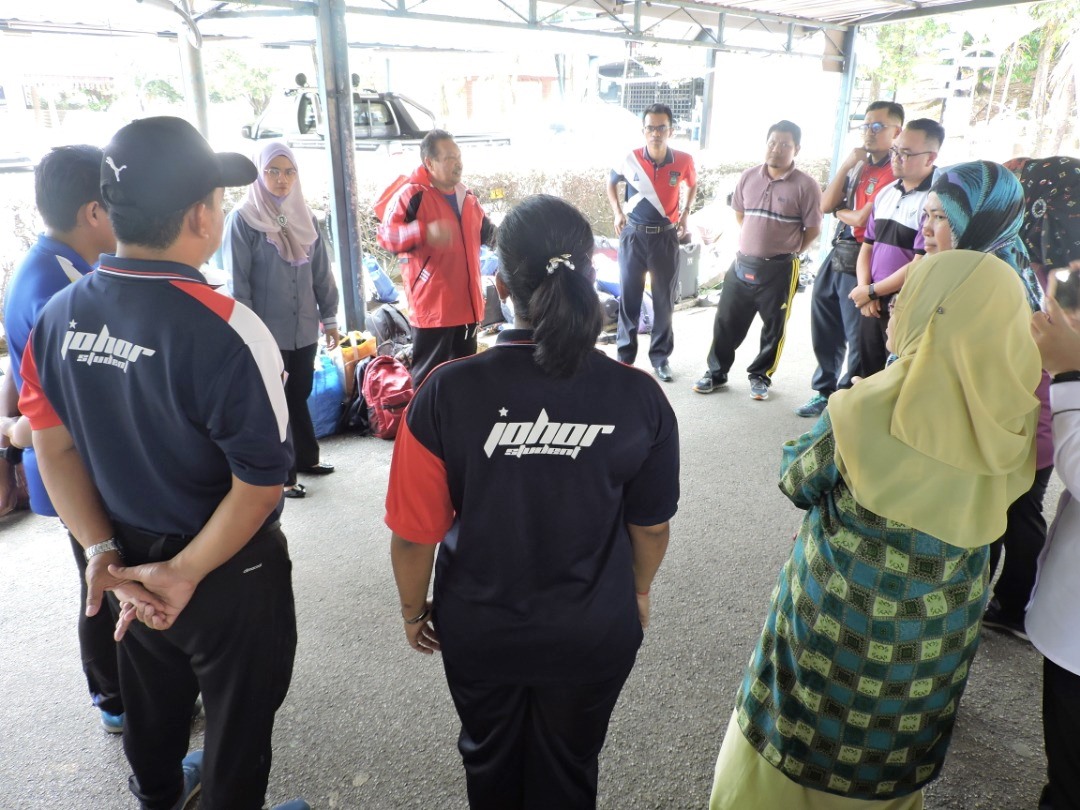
(562, 259)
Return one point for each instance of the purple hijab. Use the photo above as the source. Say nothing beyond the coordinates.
(286, 221)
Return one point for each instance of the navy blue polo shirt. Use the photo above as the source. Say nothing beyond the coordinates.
(47, 268)
(167, 387)
(528, 482)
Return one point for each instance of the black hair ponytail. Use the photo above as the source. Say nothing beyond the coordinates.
(545, 251)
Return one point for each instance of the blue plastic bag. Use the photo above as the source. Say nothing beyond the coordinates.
(489, 261)
(327, 395)
(607, 274)
(384, 287)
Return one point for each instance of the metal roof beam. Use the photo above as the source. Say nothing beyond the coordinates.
(664, 19)
(923, 10)
(273, 8)
(647, 16)
(514, 11)
(655, 8)
(559, 9)
(625, 35)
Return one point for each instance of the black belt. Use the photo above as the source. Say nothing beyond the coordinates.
(779, 257)
(653, 228)
(138, 546)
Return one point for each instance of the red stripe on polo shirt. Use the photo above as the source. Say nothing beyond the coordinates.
(418, 506)
(256, 337)
(32, 401)
(872, 180)
(220, 305)
(681, 165)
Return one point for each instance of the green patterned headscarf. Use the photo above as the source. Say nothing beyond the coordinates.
(943, 440)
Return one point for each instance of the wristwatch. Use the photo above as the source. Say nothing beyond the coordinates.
(870, 292)
(101, 548)
(12, 454)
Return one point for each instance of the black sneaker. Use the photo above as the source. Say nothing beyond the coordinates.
(996, 619)
(1044, 799)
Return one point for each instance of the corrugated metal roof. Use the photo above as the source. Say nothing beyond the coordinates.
(737, 26)
(827, 13)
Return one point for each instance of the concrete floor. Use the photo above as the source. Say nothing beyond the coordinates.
(369, 723)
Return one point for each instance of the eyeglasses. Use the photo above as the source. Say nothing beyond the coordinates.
(275, 172)
(877, 127)
(902, 156)
(659, 130)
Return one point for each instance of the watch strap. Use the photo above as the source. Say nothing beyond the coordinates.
(102, 548)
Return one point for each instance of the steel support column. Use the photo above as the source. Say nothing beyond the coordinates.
(840, 131)
(194, 77)
(336, 87)
(847, 87)
(708, 97)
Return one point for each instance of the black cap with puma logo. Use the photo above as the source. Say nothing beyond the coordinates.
(161, 165)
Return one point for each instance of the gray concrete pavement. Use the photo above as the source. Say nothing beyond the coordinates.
(369, 723)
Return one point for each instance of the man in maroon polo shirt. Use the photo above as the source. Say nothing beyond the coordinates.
(778, 209)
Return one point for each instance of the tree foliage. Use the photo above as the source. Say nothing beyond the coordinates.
(232, 76)
(162, 89)
(1035, 79)
(903, 48)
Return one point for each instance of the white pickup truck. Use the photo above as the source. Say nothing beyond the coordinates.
(387, 123)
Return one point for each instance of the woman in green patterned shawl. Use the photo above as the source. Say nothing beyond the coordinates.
(850, 697)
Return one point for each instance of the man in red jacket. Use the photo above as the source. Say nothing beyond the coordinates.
(437, 227)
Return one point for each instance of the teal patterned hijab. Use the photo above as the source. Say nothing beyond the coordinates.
(984, 203)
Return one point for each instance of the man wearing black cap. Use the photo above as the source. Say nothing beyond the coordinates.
(161, 429)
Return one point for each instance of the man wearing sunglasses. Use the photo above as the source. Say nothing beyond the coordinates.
(894, 237)
(834, 318)
(649, 225)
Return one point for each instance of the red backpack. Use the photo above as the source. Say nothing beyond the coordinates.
(387, 391)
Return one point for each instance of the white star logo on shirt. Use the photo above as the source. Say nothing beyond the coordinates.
(71, 325)
(503, 412)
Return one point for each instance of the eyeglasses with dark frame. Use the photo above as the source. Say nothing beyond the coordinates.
(876, 127)
(902, 156)
(660, 129)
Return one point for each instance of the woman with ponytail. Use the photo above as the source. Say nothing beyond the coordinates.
(545, 474)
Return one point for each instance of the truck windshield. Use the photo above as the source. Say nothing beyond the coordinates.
(422, 120)
(372, 119)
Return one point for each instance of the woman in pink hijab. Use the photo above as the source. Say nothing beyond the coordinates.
(279, 267)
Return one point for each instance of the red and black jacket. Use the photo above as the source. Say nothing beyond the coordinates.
(442, 284)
